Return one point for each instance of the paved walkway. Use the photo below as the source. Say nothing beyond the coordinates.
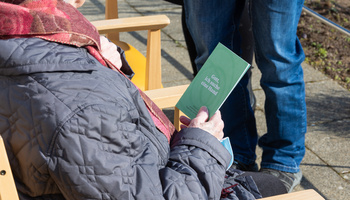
(326, 166)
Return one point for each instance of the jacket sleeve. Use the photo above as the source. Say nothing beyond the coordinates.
(102, 154)
(196, 166)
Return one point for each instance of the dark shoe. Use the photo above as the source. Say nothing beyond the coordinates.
(244, 167)
(289, 180)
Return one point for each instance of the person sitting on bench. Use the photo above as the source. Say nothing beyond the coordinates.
(75, 126)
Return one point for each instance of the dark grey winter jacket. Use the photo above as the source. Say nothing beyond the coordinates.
(74, 129)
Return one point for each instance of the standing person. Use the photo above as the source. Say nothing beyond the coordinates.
(278, 55)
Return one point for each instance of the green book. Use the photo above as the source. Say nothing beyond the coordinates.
(214, 82)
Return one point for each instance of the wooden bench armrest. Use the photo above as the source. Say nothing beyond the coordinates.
(309, 194)
(7, 185)
(166, 97)
(154, 22)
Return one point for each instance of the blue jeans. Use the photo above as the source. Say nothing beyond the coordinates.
(279, 55)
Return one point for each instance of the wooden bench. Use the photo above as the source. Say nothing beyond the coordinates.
(309, 194)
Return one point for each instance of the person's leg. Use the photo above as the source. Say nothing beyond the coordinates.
(240, 126)
(189, 42)
(279, 56)
(245, 29)
(210, 22)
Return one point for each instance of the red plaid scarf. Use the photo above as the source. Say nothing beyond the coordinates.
(58, 21)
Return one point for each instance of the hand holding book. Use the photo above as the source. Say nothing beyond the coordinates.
(214, 125)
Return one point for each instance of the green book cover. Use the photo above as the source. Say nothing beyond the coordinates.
(214, 82)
